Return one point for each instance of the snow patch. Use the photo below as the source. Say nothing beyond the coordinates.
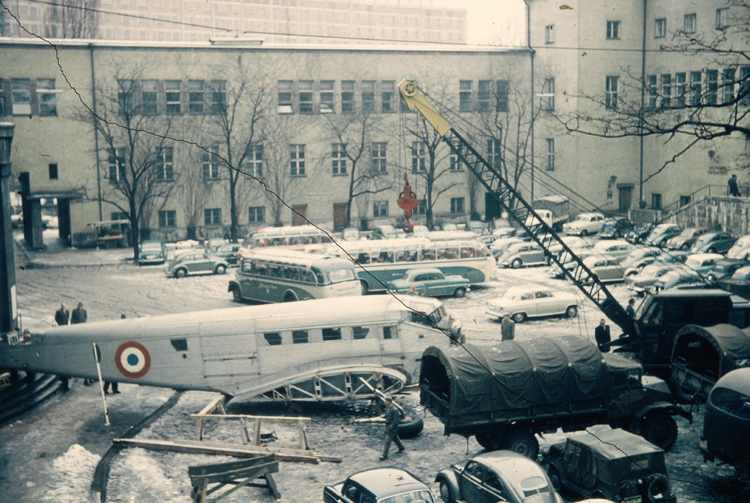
(70, 478)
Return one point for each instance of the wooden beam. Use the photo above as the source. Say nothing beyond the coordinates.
(265, 419)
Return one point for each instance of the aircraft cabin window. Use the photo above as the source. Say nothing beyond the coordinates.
(300, 337)
(360, 332)
(390, 332)
(332, 334)
(179, 344)
(273, 338)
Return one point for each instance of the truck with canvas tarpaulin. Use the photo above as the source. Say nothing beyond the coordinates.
(506, 393)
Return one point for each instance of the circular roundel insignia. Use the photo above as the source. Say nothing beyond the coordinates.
(132, 359)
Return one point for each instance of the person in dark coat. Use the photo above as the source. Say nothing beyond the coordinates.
(630, 310)
(392, 418)
(507, 328)
(79, 315)
(62, 315)
(734, 189)
(601, 334)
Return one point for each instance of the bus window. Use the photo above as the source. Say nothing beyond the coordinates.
(332, 334)
(428, 254)
(307, 276)
(275, 271)
(339, 275)
(362, 258)
(447, 253)
(467, 252)
(375, 257)
(403, 256)
(386, 257)
(259, 243)
(260, 268)
(359, 332)
(325, 239)
(295, 240)
(390, 332)
(321, 277)
(300, 337)
(420, 318)
(311, 240)
(273, 338)
(247, 267)
(291, 273)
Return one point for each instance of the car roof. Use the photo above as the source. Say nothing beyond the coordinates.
(614, 444)
(738, 380)
(511, 465)
(388, 481)
(421, 270)
(705, 256)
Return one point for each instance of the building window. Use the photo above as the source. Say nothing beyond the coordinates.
(722, 18)
(494, 153)
(695, 89)
(457, 205)
(118, 215)
(285, 97)
(347, 97)
(548, 95)
(218, 96)
(53, 173)
(418, 157)
(501, 95)
(212, 216)
(253, 163)
(306, 96)
(680, 89)
(211, 163)
(149, 103)
(173, 97)
(685, 200)
(712, 84)
(688, 25)
(666, 90)
(613, 30)
(45, 89)
(380, 209)
(653, 92)
(326, 96)
(196, 96)
(549, 34)
(455, 162)
(257, 214)
(655, 201)
(421, 208)
(484, 95)
(368, 96)
(379, 164)
(125, 96)
(611, 92)
(660, 28)
(338, 157)
(727, 77)
(464, 96)
(164, 164)
(297, 160)
(550, 154)
(167, 218)
(387, 96)
(116, 163)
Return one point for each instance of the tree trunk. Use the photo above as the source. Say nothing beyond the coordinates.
(234, 225)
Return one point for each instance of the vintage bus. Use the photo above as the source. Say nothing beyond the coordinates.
(384, 260)
(289, 237)
(283, 275)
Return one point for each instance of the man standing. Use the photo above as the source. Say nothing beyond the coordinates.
(601, 334)
(79, 315)
(734, 189)
(507, 328)
(392, 418)
(62, 315)
(630, 310)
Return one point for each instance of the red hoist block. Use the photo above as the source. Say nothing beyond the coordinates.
(408, 201)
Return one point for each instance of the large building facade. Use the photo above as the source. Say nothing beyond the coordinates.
(111, 130)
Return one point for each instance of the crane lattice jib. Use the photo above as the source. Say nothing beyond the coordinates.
(540, 232)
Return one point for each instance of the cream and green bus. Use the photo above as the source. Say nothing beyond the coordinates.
(283, 237)
(283, 275)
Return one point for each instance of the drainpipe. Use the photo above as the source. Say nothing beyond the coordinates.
(643, 103)
(96, 133)
(528, 42)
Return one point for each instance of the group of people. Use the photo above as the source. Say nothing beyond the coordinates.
(79, 315)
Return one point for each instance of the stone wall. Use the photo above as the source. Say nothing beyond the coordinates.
(730, 214)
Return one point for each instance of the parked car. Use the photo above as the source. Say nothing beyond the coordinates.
(615, 228)
(661, 233)
(449, 227)
(476, 227)
(384, 232)
(430, 282)
(713, 242)
(617, 249)
(228, 252)
(738, 283)
(703, 262)
(613, 464)
(352, 234)
(685, 239)
(639, 233)
(681, 278)
(641, 282)
(605, 268)
(585, 224)
(499, 246)
(420, 231)
(726, 424)
(639, 258)
(725, 268)
(379, 485)
(196, 262)
(496, 476)
(531, 301)
(521, 254)
(213, 244)
(740, 248)
(152, 252)
(571, 242)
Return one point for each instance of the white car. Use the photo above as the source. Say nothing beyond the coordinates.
(584, 224)
(530, 301)
(650, 274)
(605, 268)
(740, 249)
(617, 249)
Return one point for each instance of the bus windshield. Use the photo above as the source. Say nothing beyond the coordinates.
(339, 275)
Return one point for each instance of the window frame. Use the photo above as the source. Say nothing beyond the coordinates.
(550, 154)
(458, 206)
(548, 102)
(379, 157)
(297, 159)
(256, 214)
(338, 159)
(484, 96)
(172, 97)
(210, 163)
(660, 27)
(613, 30)
(196, 97)
(164, 164)
(117, 167)
(210, 217)
(380, 209)
(689, 26)
(387, 96)
(722, 18)
(465, 89)
(611, 92)
(348, 97)
(47, 97)
(327, 93)
(549, 34)
(149, 93)
(167, 216)
(418, 157)
(285, 96)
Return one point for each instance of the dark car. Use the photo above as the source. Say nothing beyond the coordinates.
(738, 283)
(685, 239)
(228, 252)
(639, 233)
(725, 268)
(379, 485)
(613, 464)
(662, 233)
(152, 252)
(726, 424)
(430, 282)
(615, 228)
(496, 476)
(713, 242)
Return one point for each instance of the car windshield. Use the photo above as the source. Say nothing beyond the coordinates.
(422, 496)
(151, 247)
(583, 218)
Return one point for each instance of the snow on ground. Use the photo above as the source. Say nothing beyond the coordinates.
(71, 474)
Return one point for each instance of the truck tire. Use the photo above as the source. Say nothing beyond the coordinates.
(489, 441)
(660, 430)
(410, 426)
(656, 490)
(523, 442)
(554, 477)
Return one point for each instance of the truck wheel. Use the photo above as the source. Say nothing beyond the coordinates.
(237, 294)
(571, 312)
(523, 442)
(460, 292)
(489, 441)
(410, 426)
(660, 430)
(554, 477)
(657, 488)
(445, 492)
(519, 317)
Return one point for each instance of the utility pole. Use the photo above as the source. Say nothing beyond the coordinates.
(8, 304)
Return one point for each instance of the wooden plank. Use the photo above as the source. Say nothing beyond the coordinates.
(265, 419)
(272, 486)
(229, 466)
(256, 434)
(216, 402)
(252, 472)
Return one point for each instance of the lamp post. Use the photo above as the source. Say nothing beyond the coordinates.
(8, 305)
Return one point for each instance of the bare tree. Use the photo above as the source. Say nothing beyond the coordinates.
(75, 18)
(193, 191)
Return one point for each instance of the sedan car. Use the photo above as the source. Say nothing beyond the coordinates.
(213, 244)
(639, 233)
(725, 268)
(639, 258)
(678, 278)
(521, 254)
(152, 252)
(703, 262)
(228, 252)
(496, 476)
(685, 239)
(617, 249)
(650, 274)
(529, 301)
(430, 282)
(585, 224)
(615, 228)
(713, 242)
(499, 246)
(196, 262)
(661, 233)
(379, 485)
(738, 283)
(740, 249)
(605, 268)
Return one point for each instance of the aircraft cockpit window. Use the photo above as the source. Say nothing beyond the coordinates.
(332, 334)
(390, 332)
(300, 337)
(360, 332)
(273, 338)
